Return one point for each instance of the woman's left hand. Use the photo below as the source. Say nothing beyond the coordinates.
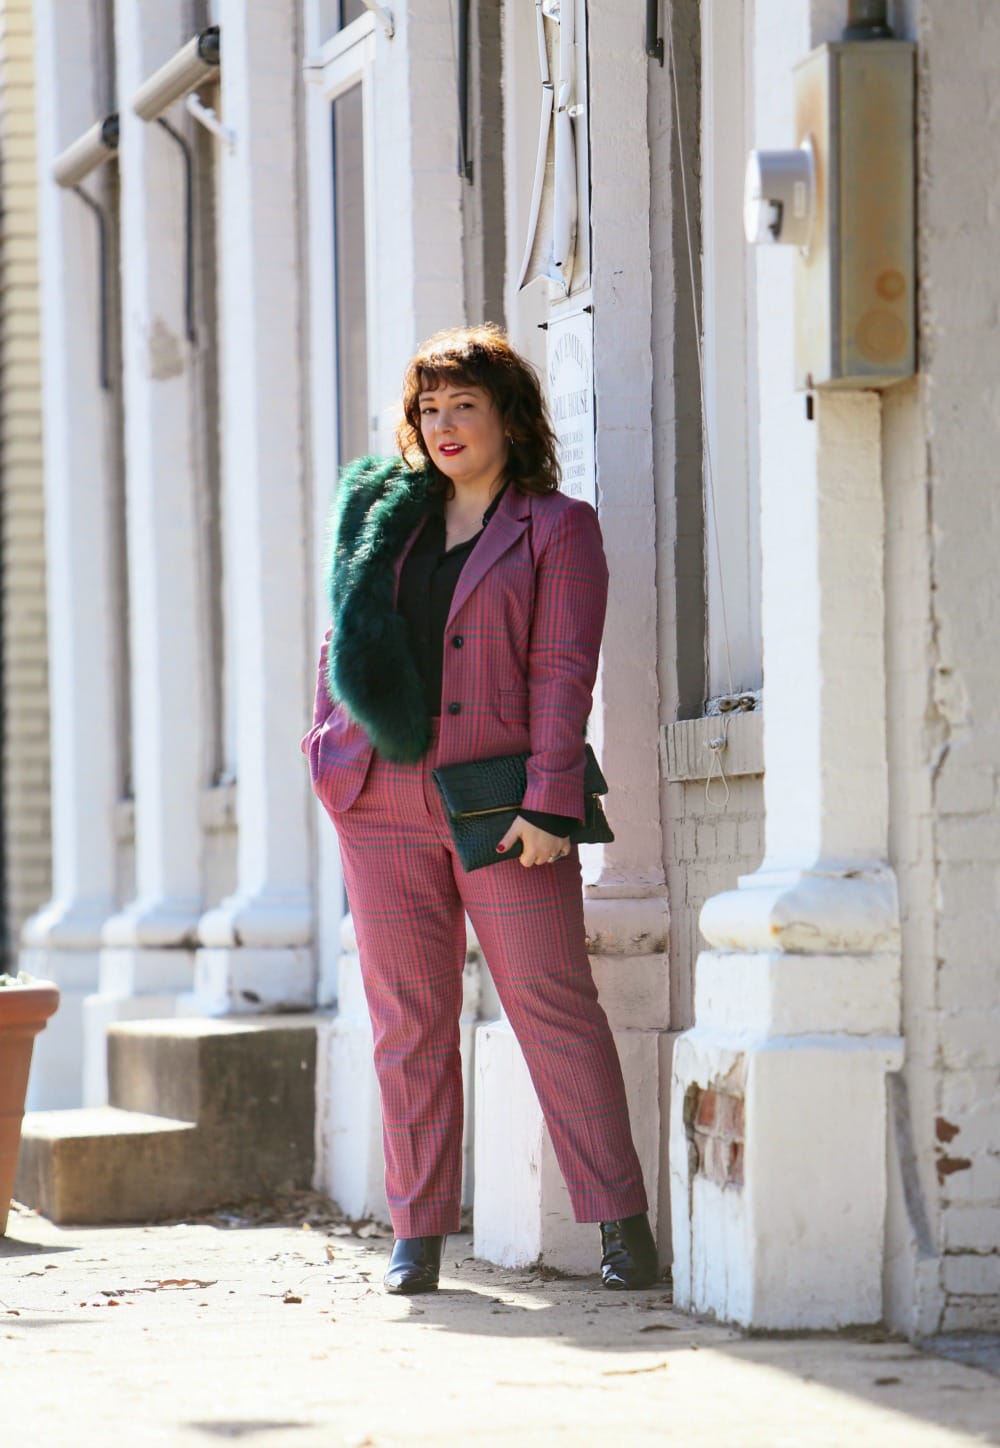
(538, 846)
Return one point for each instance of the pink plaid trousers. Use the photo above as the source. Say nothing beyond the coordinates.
(409, 895)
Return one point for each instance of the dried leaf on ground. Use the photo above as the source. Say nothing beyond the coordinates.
(184, 1282)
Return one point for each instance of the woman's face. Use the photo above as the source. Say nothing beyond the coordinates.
(463, 433)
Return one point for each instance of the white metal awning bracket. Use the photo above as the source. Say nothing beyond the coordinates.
(207, 117)
(557, 113)
(566, 204)
(384, 16)
(544, 121)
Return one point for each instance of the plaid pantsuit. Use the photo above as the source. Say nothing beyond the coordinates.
(409, 896)
(520, 658)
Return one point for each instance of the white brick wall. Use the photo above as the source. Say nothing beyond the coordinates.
(941, 440)
(25, 818)
(708, 846)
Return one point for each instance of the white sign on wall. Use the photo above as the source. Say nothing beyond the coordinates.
(570, 367)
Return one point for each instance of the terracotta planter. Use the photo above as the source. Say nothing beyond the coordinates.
(24, 1010)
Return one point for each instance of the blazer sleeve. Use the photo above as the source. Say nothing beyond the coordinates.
(571, 596)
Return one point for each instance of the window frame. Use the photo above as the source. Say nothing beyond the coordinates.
(320, 29)
(346, 60)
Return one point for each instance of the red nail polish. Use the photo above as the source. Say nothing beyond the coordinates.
(501, 849)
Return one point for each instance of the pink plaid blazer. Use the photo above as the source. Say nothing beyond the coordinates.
(520, 657)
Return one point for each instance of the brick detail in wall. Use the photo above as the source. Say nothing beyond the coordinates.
(25, 727)
(714, 1118)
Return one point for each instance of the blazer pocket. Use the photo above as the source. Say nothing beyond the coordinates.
(514, 706)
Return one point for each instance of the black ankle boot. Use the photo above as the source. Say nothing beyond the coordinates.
(415, 1265)
(628, 1254)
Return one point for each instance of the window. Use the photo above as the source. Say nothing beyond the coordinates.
(349, 270)
(329, 17)
(338, 69)
(339, 99)
(732, 524)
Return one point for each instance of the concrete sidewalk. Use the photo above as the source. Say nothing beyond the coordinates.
(281, 1334)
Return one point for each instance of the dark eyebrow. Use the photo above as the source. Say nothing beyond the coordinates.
(459, 392)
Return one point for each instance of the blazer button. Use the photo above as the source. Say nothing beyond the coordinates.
(454, 708)
(457, 641)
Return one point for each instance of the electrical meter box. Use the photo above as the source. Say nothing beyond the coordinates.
(855, 305)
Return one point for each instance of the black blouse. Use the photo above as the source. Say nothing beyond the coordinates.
(426, 585)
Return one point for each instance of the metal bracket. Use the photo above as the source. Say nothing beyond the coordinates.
(654, 40)
(188, 227)
(102, 243)
(383, 15)
(207, 117)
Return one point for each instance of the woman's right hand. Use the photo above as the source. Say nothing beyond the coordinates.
(537, 845)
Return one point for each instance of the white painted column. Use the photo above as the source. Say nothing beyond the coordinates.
(148, 960)
(778, 1130)
(522, 1209)
(319, 344)
(625, 894)
(256, 947)
(414, 287)
(61, 942)
(350, 1165)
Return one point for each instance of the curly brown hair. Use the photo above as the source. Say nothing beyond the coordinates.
(483, 357)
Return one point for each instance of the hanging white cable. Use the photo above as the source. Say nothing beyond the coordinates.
(709, 475)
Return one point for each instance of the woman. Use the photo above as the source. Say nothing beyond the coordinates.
(468, 599)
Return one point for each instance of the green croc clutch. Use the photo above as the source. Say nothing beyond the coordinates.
(482, 798)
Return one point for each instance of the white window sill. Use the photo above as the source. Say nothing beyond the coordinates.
(686, 753)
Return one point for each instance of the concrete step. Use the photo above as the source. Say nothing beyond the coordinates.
(202, 1112)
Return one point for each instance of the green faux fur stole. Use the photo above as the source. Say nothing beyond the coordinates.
(370, 668)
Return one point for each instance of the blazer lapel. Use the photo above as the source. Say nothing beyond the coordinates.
(503, 530)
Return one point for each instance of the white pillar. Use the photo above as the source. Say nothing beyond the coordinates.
(322, 381)
(148, 960)
(413, 287)
(257, 945)
(350, 1166)
(778, 1129)
(61, 942)
(522, 1211)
